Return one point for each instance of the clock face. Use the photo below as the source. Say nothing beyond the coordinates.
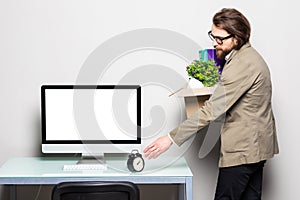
(138, 164)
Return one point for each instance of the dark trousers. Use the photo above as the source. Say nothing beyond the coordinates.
(242, 182)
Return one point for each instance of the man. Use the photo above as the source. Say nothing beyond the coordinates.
(243, 96)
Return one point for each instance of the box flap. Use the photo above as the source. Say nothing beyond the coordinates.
(188, 92)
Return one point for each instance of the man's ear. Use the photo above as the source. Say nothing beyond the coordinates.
(235, 41)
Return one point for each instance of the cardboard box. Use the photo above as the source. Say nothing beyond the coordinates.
(194, 98)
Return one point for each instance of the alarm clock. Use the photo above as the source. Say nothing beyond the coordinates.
(135, 162)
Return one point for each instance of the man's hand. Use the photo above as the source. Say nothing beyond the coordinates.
(157, 147)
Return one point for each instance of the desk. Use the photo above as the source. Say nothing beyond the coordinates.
(41, 170)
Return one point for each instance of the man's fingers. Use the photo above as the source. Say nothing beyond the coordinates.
(151, 151)
(149, 147)
(157, 147)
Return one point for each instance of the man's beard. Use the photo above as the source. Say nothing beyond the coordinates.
(221, 54)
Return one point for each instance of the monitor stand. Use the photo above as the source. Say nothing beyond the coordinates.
(88, 159)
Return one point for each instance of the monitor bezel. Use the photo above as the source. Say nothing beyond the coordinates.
(43, 114)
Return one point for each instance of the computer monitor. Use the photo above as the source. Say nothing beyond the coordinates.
(90, 119)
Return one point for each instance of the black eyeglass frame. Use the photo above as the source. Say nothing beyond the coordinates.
(218, 39)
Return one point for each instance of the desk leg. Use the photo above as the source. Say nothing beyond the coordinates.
(12, 192)
(189, 188)
(185, 191)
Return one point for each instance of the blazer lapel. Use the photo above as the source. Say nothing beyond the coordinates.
(236, 52)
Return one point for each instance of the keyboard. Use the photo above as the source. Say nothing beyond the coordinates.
(80, 167)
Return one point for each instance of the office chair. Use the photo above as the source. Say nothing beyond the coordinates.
(93, 190)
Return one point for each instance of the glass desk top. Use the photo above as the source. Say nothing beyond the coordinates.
(116, 166)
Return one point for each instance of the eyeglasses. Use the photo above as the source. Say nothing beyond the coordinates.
(218, 39)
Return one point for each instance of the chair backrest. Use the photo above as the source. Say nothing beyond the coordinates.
(94, 190)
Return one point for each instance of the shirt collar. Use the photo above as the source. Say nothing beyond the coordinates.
(228, 55)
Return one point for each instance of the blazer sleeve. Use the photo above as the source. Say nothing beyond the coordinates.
(235, 81)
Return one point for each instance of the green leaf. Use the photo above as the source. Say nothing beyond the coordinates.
(204, 71)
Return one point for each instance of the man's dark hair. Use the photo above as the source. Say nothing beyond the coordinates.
(234, 23)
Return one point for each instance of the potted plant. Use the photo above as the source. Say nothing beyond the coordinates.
(204, 71)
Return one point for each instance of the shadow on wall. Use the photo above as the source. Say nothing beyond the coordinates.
(205, 170)
(268, 180)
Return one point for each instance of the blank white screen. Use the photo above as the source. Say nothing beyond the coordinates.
(60, 121)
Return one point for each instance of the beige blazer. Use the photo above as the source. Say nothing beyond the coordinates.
(242, 100)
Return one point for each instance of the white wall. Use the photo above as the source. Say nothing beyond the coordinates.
(48, 42)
